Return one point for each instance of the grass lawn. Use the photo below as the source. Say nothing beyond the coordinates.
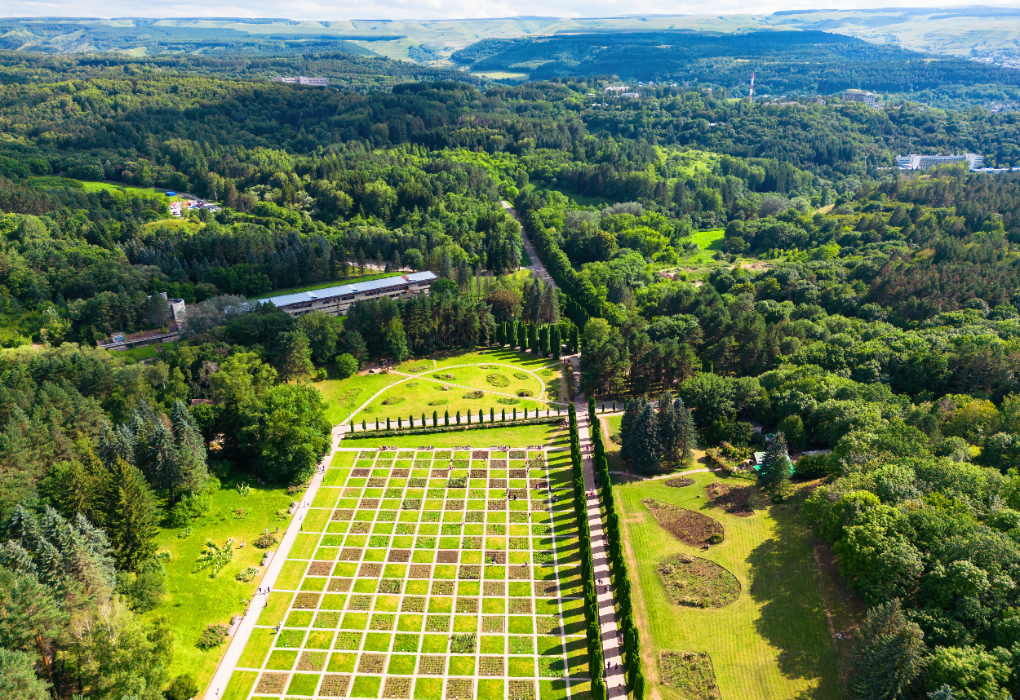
(462, 373)
(194, 600)
(143, 353)
(773, 642)
(344, 396)
(153, 192)
(504, 356)
(550, 435)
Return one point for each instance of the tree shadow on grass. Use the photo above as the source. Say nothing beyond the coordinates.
(784, 582)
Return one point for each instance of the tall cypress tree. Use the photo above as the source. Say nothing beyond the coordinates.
(543, 341)
(533, 338)
(554, 342)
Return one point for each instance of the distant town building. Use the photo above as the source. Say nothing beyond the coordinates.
(336, 300)
(302, 80)
(632, 95)
(617, 88)
(864, 96)
(918, 162)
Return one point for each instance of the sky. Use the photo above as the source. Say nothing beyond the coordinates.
(436, 9)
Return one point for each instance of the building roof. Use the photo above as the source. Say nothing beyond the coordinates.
(356, 288)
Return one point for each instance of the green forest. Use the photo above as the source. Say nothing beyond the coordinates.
(753, 265)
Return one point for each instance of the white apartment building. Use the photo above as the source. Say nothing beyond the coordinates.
(302, 80)
(864, 96)
(336, 300)
(919, 162)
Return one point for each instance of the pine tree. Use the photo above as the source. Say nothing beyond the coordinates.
(191, 454)
(888, 653)
(631, 412)
(646, 452)
(774, 473)
(688, 434)
(292, 355)
(132, 513)
(669, 430)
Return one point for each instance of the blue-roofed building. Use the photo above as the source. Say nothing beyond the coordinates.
(336, 300)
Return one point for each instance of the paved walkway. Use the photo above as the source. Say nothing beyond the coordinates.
(614, 675)
(536, 267)
(232, 655)
(616, 683)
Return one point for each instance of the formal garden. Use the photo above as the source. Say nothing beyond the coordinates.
(481, 386)
(432, 574)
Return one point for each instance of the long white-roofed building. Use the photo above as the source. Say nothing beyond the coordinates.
(336, 300)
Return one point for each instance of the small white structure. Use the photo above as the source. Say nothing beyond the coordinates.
(632, 95)
(617, 88)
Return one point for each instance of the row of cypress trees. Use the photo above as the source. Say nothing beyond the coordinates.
(541, 340)
(631, 638)
(423, 423)
(596, 660)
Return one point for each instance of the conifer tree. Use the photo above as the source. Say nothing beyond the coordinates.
(645, 450)
(774, 473)
(631, 412)
(554, 342)
(688, 434)
(888, 653)
(533, 338)
(543, 341)
(131, 509)
(669, 429)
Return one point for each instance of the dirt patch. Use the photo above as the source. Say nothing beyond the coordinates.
(679, 482)
(697, 582)
(689, 673)
(735, 500)
(687, 526)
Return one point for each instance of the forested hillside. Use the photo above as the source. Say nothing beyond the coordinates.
(805, 63)
(764, 264)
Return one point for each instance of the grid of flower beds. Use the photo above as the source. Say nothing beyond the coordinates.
(428, 574)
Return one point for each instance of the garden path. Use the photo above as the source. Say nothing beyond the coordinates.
(616, 683)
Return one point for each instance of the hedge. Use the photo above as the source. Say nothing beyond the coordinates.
(596, 659)
(614, 537)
